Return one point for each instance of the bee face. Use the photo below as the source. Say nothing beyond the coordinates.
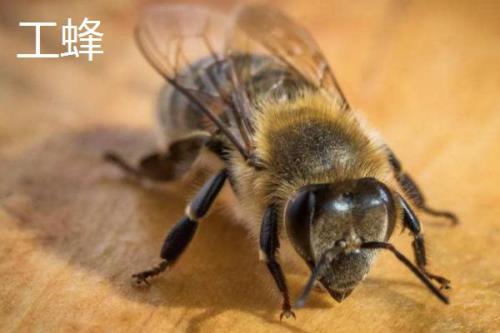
(342, 215)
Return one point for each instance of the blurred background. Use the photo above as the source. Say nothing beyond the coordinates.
(72, 230)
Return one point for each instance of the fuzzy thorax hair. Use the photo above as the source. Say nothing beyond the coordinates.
(308, 140)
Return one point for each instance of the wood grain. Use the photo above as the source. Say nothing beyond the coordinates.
(72, 230)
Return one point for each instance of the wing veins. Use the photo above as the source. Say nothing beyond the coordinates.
(159, 66)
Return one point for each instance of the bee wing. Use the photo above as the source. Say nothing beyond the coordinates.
(290, 43)
(172, 39)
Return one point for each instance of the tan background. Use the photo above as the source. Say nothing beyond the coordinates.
(72, 230)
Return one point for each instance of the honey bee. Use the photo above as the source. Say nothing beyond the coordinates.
(262, 100)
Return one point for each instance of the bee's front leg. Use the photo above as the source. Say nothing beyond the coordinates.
(269, 244)
(411, 221)
(181, 234)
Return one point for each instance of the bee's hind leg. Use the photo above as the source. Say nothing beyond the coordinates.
(411, 189)
(163, 167)
(411, 221)
(179, 237)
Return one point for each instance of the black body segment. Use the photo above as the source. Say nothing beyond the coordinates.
(409, 218)
(269, 240)
(179, 237)
(269, 245)
(205, 197)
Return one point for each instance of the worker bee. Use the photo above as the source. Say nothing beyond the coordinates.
(262, 100)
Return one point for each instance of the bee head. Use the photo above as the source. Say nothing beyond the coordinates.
(327, 223)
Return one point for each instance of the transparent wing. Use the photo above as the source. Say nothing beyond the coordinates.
(173, 39)
(287, 41)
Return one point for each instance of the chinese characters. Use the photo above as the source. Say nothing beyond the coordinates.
(83, 39)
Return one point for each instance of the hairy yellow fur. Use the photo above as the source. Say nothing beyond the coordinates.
(307, 140)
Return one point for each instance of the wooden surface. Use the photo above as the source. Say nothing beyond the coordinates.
(72, 230)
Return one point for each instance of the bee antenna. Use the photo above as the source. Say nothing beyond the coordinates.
(327, 256)
(425, 280)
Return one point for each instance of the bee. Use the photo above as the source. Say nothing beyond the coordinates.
(263, 101)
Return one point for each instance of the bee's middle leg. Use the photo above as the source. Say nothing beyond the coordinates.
(179, 237)
(269, 245)
(414, 193)
(411, 221)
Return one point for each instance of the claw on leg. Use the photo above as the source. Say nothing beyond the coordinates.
(141, 278)
(444, 283)
(287, 312)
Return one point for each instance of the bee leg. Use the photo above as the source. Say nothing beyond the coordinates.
(318, 287)
(149, 167)
(179, 237)
(411, 189)
(163, 166)
(269, 245)
(411, 221)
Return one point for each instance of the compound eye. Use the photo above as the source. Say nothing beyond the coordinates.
(300, 207)
(299, 213)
